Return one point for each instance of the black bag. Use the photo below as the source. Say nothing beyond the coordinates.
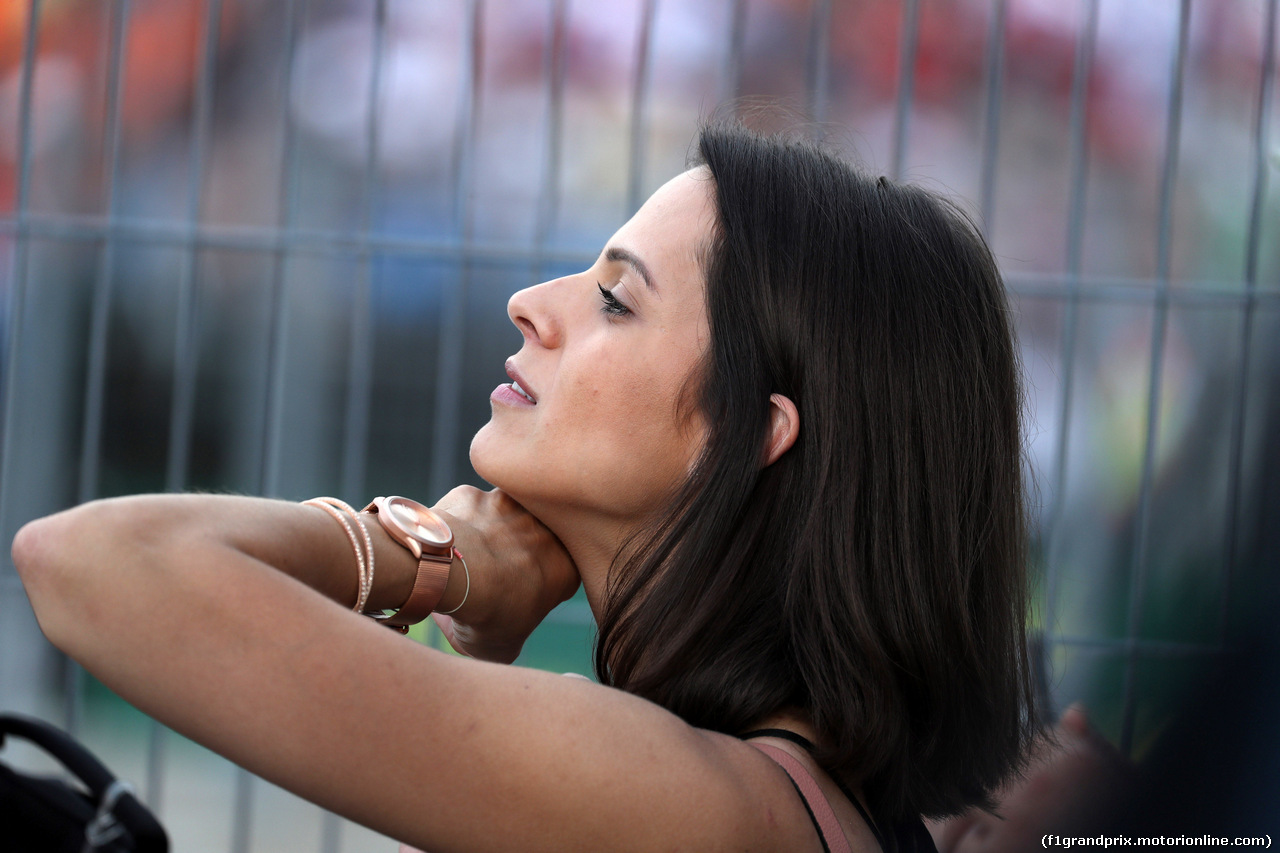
(40, 814)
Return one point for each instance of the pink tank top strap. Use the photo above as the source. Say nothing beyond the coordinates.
(823, 815)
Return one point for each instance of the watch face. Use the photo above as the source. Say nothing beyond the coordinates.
(419, 522)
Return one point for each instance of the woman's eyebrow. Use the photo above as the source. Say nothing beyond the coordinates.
(624, 256)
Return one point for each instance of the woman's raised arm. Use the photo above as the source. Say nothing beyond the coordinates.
(202, 611)
(519, 569)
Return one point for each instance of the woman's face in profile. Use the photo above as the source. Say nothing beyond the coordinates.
(606, 356)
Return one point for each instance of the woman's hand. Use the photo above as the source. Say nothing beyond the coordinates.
(518, 569)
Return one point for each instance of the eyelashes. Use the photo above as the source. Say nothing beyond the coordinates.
(612, 306)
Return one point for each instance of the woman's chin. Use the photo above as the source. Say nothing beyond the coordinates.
(493, 460)
(482, 457)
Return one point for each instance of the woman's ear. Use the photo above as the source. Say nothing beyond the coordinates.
(784, 426)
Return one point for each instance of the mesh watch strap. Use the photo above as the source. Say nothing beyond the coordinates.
(428, 589)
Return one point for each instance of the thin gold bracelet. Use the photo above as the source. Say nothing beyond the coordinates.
(364, 556)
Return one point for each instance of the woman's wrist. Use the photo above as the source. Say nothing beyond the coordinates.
(459, 592)
(398, 569)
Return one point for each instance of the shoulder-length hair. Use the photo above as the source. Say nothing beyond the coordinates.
(873, 576)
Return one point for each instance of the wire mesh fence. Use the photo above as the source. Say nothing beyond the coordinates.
(265, 247)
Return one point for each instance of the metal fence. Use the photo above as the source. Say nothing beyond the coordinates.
(265, 247)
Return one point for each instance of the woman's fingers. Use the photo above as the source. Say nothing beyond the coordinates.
(445, 624)
(492, 646)
(518, 570)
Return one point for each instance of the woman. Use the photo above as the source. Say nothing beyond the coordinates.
(773, 431)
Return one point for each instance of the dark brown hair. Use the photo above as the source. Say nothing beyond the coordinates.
(873, 577)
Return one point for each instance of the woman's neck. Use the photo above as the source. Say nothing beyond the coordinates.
(592, 542)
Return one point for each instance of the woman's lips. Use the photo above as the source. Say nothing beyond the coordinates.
(504, 393)
(516, 392)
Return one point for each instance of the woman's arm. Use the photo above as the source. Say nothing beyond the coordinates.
(202, 611)
(518, 569)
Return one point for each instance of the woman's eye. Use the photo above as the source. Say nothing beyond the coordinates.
(611, 305)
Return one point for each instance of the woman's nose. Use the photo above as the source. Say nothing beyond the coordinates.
(533, 312)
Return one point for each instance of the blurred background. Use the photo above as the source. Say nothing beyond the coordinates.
(266, 247)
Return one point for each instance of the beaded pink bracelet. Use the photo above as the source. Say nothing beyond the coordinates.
(364, 556)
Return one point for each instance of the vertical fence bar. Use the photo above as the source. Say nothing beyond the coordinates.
(15, 302)
(100, 312)
(360, 365)
(818, 72)
(991, 131)
(185, 350)
(102, 289)
(1079, 166)
(1253, 242)
(15, 299)
(273, 390)
(639, 103)
(452, 333)
(360, 353)
(907, 47)
(731, 73)
(185, 365)
(1164, 239)
(553, 69)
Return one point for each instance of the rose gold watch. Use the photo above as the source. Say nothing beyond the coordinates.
(430, 540)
